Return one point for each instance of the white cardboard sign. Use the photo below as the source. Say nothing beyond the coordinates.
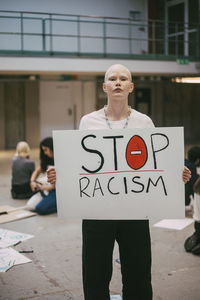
(120, 174)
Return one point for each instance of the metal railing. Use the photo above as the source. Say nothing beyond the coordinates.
(47, 34)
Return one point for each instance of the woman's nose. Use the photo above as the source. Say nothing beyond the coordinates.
(118, 82)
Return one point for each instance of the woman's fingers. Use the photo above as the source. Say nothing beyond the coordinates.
(51, 175)
(186, 175)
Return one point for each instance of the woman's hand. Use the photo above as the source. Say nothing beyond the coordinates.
(186, 175)
(33, 185)
(51, 175)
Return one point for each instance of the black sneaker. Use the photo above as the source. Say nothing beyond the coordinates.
(191, 242)
(196, 249)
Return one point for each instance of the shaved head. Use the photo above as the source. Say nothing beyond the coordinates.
(117, 67)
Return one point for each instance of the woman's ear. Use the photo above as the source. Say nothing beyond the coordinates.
(104, 87)
(131, 87)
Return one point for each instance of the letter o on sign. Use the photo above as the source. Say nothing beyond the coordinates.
(136, 152)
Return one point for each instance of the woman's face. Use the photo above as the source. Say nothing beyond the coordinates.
(47, 151)
(118, 83)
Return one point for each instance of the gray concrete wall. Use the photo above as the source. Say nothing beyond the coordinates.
(182, 108)
(30, 123)
(175, 104)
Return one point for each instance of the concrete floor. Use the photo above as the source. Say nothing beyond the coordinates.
(55, 270)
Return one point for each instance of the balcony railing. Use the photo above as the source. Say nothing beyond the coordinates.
(46, 34)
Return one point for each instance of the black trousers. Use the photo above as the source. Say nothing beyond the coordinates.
(133, 238)
(21, 191)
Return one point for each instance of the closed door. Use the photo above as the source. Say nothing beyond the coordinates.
(14, 113)
(143, 100)
(56, 107)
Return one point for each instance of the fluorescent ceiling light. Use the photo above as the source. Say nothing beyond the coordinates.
(186, 79)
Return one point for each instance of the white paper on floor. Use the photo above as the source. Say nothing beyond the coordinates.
(10, 257)
(10, 238)
(177, 224)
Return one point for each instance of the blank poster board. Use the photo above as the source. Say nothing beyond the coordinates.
(120, 174)
(16, 214)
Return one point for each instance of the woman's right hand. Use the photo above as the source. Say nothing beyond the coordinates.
(51, 175)
(34, 186)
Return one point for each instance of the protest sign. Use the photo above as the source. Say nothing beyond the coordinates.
(120, 174)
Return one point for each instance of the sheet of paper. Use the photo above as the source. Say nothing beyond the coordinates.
(177, 224)
(10, 257)
(14, 214)
(10, 238)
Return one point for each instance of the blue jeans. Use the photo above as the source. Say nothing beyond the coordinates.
(48, 204)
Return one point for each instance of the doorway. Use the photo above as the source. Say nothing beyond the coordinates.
(181, 27)
(143, 100)
(14, 102)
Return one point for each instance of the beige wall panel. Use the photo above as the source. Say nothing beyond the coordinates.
(2, 117)
(77, 96)
(89, 96)
(32, 118)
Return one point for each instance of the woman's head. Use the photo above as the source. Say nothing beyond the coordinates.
(22, 149)
(46, 153)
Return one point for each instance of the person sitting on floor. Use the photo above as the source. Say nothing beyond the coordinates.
(192, 243)
(192, 162)
(43, 202)
(22, 169)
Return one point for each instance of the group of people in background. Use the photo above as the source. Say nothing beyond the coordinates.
(31, 183)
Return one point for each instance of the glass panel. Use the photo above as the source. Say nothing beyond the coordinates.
(176, 45)
(193, 11)
(176, 29)
(32, 43)
(193, 27)
(117, 46)
(91, 45)
(176, 13)
(68, 44)
(193, 45)
(10, 42)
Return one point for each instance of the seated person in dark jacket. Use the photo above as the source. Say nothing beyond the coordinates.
(22, 169)
(191, 162)
(192, 243)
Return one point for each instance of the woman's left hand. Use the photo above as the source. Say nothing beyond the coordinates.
(186, 175)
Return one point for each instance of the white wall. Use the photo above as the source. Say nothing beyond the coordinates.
(111, 8)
